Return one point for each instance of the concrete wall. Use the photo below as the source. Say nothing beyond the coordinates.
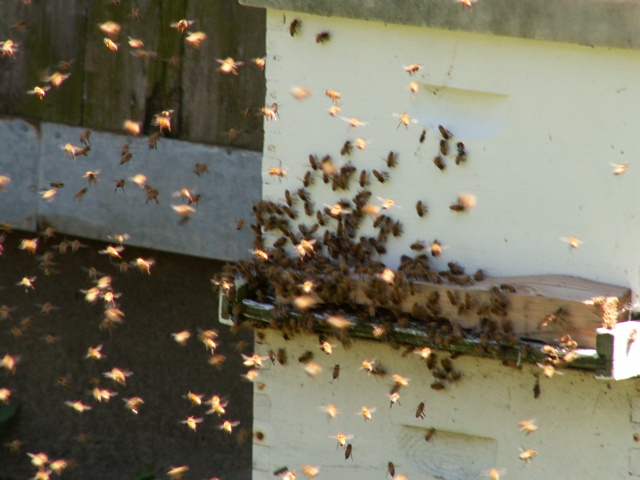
(32, 157)
(541, 121)
(585, 426)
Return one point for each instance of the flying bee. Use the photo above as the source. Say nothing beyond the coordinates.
(619, 169)
(260, 62)
(333, 95)
(336, 372)
(346, 148)
(413, 68)
(438, 161)
(330, 409)
(229, 65)
(527, 455)
(430, 434)
(182, 25)
(323, 37)
(334, 110)
(270, 112)
(446, 134)
(423, 136)
(195, 39)
(420, 411)
(78, 406)
(110, 44)
(391, 469)
(364, 178)
(405, 119)
(380, 176)
(348, 452)
(574, 242)
(527, 426)
(444, 147)
(294, 27)
(462, 154)
(306, 357)
(393, 398)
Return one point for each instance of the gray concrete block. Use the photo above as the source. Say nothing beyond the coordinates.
(232, 183)
(19, 152)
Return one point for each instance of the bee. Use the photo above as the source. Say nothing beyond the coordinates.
(271, 113)
(446, 134)
(536, 388)
(260, 62)
(438, 161)
(9, 47)
(133, 404)
(423, 136)
(306, 357)
(192, 422)
(153, 140)
(323, 37)
(619, 169)
(229, 65)
(281, 356)
(360, 144)
(177, 473)
(78, 406)
(48, 194)
(9, 363)
(346, 148)
(195, 39)
(438, 386)
(336, 372)
(527, 455)
(333, 95)
(182, 25)
(118, 376)
(92, 177)
(430, 434)
(380, 176)
(135, 14)
(131, 127)
(307, 179)
(462, 154)
(405, 120)
(348, 452)
(300, 93)
(413, 68)
(200, 169)
(574, 242)
(110, 44)
(465, 202)
(420, 411)
(330, 409)
(310, 471)
(421, 208)
(364, 178)
(394, 397)
(392, 160)
(334, 110)
(391, 469)
(294, 27)
(444, 147)
(27, 283)
(110, 28)
(39, 91)
(527, 426)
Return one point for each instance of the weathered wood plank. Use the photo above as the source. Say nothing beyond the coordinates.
(119, 83)
(52, 32)
(541, 307)
(213, 102)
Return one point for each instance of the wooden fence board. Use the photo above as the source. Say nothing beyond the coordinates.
(107, 87)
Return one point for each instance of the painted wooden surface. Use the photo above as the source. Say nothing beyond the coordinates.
(106, 87)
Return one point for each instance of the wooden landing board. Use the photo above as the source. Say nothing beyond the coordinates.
(543, 307)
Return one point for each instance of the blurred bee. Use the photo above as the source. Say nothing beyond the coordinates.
(413, 68)
(195, 39)
(333, 95)
(294, 27)
(405, 119)
(271, 113)
(200, 169)
(177, 473)
(281, 356)
(574, 242)
(346, 148)
(259, 62)
(133, 404)
(494, 473)
(78, 406)
(9, 48)
(420, 411)
(39, 91)
(462, 154)
(153, 139)
(192, 422)
(92, 177)
(619, 169)
(446, 134)
(135, 14)
(421, 208)
(423, 136)
(95, 353)
(438, 161)
(182, 25)
(306, 357)
(310, 471)
(348, 452)
(380, 176)
(444, 147)
(131, 127)
(527, 426)
(334, 110)
(336, 372)
(392, 160)
(393, 398)
(182, 337)
(465, 202)
(228, 425)
(323, 37)
(430, 434)
(527, 455)
(110, 44)
(229, 65)
(330, 409)
(300, 93)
